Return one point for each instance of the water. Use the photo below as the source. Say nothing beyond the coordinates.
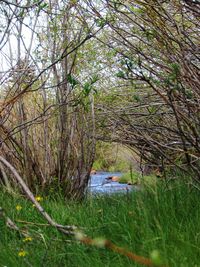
(100, 185)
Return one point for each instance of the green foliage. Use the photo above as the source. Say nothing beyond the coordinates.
(175, 69)
(120, 165)
(43, 6)
(173, 75)
(152, 109)
(117, 4)
(100, 22)
(109, 158)
(120, 74)
(99, 164)
(189, 94)
(137, 178)
(88, 86)
(129, 178)
(136, 98)
(150, 34)
(72, 81)
(136, 9)
(162, 223)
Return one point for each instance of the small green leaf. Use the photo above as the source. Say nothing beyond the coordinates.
(100, 22)
(94, 79)
(175, 68)
(72, 80)
(120, 74)
(136, 97)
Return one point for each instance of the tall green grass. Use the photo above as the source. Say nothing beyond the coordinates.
(166, 219)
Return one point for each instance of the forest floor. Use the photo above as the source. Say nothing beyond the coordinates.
(160, 220)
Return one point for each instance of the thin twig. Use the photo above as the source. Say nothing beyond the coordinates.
(10, 223)
(69, 229)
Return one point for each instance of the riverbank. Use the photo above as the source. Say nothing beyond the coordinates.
(164, 221)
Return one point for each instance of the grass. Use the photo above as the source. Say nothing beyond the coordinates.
(119, 165)
(137, 179)
(163, 219)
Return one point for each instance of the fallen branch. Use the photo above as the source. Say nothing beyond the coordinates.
(69, 229)
(42, 224)
(10, 223)
(33, 223)
(103, 243)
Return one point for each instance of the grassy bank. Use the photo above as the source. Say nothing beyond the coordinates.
(163, 219)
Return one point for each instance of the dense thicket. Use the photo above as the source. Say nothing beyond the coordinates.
(81, 71)
(47, 111)
(155, 107)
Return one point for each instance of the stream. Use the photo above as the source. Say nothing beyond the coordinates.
(99, 184)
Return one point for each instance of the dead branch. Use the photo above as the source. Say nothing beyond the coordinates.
(69, 230)
(10, 223)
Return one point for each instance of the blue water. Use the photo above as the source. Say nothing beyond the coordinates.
(99, 184)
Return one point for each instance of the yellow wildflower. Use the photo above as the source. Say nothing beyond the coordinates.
(22, 253)
(18, 207)
(38, 198)
(27, 239)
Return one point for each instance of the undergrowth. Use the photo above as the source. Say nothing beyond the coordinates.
(162, 218)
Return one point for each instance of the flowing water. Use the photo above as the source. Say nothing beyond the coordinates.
(99, 184)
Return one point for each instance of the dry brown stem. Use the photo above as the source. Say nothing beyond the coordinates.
(64, 229)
